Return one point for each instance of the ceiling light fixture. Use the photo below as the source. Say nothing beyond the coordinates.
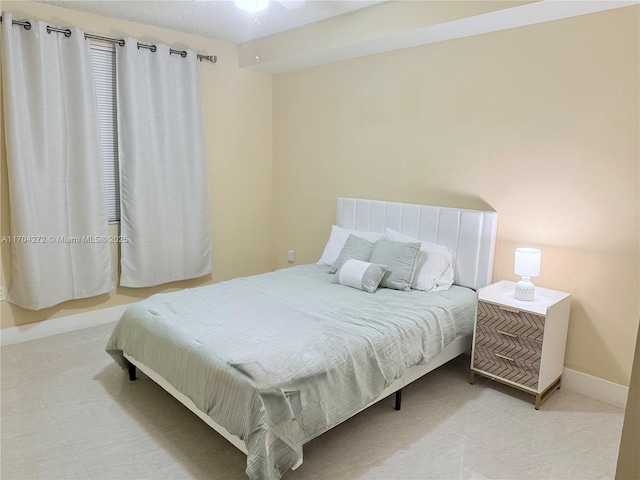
(252, 5)
(292, 4)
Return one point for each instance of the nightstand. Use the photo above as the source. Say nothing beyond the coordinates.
(520, 343)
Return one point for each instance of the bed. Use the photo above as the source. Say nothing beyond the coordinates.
(274, 360)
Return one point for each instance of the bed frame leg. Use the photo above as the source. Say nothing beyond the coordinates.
(132, 370)
(398, 399)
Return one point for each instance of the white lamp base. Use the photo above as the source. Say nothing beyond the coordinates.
(525, 290)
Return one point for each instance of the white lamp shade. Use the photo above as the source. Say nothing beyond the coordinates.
(528, 262)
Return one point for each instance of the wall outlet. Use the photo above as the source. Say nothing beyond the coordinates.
(2, 293)
(291, 256)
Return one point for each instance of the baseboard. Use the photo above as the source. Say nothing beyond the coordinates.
(54, 326)
(594, 387)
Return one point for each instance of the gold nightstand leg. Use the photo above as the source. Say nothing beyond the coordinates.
(544, 395)
(540, 397)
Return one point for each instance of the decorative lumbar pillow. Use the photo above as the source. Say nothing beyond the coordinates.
(356, 248)
(338, 238)
(435, 266)
(358, 274)
(400, 259)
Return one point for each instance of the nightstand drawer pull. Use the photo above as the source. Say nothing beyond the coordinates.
(508, 334)
(504, 356)
(512, 310)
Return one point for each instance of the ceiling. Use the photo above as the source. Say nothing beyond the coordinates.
(219, 19)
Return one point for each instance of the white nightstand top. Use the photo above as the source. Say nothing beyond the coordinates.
(502, 293)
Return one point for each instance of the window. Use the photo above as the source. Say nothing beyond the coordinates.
(103, 59)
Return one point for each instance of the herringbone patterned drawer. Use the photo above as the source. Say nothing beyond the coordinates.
(504, 342)
(508, 368)
(522, 324)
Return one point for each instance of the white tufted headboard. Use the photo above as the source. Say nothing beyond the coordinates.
(470, 235)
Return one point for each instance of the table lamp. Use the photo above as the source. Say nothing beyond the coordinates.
(527, 265)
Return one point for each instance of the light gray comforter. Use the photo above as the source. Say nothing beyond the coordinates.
(281, 357)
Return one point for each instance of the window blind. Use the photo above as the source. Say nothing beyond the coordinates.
(103, 60)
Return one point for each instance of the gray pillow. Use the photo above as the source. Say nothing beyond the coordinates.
(358, 274)
(400, 259)
(355, 247)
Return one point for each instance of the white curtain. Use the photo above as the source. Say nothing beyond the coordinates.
(59, 229)
(164, 197)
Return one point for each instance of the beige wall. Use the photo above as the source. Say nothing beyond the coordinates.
(539, 123)
(237, 106)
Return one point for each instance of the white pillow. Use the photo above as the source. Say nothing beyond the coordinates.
(364, 276)
(338, 238)
(434, 270)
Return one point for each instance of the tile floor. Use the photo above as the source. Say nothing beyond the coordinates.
(69, 412)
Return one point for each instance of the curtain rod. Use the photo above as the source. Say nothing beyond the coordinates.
(67, 33)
